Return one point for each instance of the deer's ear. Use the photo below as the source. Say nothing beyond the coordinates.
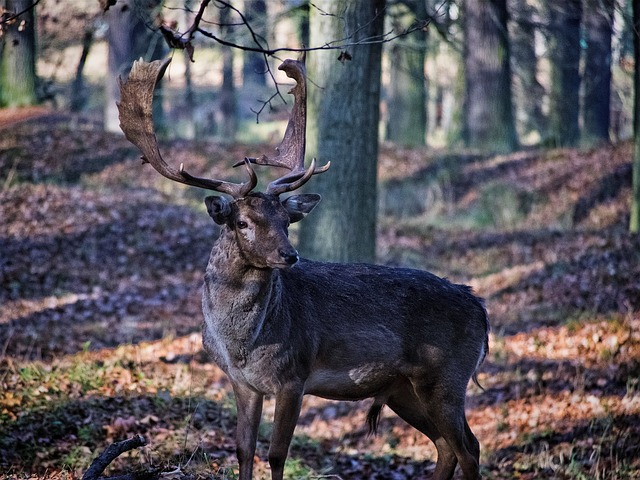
(219, 208)
(299, 206)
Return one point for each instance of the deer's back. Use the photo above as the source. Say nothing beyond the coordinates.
(363, 294)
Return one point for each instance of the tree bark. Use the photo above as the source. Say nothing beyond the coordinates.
(529, 91)
(564, 56)
(18, 63)
(488, 109)
(254, 68)
(78, 91)
(407, 93)
(598, 28)
(634, 222)
(190, 129)
(228, 121)
(343, 128)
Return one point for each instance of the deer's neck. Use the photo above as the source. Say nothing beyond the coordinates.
(229, 269)
(237, 298)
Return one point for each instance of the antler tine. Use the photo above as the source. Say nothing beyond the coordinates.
(136, 121)
(290, 153)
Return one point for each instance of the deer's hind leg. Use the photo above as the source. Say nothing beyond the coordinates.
(409, 407)
(451, 423)
(444, 406)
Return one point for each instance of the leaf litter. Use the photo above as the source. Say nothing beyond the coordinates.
(101, 265)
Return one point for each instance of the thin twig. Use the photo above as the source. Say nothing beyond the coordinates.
(333, 45)
(267, 102)
(258, 41)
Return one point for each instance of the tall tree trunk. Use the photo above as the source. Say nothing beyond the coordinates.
(598, 28)
(18, 64)
(254, 68)
(129, 38)
(78, 90)
(190, 129)
(625, 41)
(488, 109)
(343, 128)
(407, 94)
(530, 92)
(228, 121)
(634, 223)
(303, 24)
(564, 56)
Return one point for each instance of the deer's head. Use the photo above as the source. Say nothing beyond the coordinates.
(259, 221)
(260, 224)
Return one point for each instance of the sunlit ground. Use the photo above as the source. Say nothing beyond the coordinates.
(100, 276)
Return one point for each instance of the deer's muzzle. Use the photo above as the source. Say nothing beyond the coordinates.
(289, 256)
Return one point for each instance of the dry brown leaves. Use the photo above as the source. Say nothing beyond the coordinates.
(100, 272)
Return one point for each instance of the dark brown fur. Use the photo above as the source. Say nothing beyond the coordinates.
(406, 338)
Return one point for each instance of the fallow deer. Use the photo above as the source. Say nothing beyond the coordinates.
(284, 326)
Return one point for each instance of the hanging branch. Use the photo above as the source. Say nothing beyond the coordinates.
(12, 16)
(180, 41)
(183, 41)
(177, 40)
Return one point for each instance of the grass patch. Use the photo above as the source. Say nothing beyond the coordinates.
(501, 206)
(295, 469)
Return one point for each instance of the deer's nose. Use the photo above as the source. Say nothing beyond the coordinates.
(289, 256)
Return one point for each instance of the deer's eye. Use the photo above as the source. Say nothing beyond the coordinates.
(242, 224)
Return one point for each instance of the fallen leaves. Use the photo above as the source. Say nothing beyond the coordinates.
(100, 272)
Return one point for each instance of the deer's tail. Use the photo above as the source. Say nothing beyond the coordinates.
(485, 346)
(373, 415)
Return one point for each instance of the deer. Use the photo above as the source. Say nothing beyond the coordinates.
(282, 326)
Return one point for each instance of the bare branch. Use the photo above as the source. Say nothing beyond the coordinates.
(177, 40)
(267, 102)
(259, 45)
(12, 17)
(112, 452)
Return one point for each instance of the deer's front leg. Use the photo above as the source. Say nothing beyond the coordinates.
(288, 403)
(249, 405)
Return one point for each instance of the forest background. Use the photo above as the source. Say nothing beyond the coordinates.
(491, 142)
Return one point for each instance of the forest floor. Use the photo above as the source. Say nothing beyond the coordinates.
(101, 264)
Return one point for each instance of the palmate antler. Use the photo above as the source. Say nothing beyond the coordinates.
(290, 153)
(136, 121)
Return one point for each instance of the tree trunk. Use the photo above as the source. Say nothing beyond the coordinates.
(407, 93)
(254, 68)
(634, 223)
(228, 120)
(598, 28)
(303, 25)
(190, 127)
(625, 41)
(564, 56)
(488, 109)
(343, 128)
(530, 92)
(129, 39)
(18, 64)
(78, 90)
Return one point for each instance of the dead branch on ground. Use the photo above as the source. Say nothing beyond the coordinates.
(112, 452)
